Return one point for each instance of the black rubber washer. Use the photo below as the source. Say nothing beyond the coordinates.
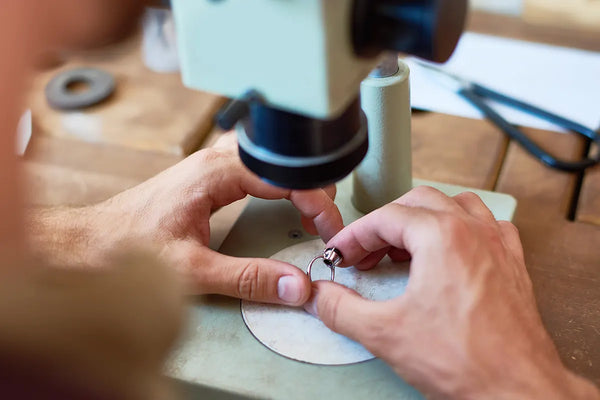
(100, 84)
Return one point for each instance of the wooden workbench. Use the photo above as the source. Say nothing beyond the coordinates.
(562, 254)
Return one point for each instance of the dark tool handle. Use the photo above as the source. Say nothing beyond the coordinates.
(488, 93)
(476, 95)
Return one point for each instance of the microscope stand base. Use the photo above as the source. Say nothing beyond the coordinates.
(218, 351)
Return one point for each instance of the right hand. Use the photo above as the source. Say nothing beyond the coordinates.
(467, 325)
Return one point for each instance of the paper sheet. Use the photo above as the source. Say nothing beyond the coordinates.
(561, 80)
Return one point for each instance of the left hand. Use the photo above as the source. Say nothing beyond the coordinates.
(172, 211)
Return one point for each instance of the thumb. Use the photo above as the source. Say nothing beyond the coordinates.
(344, 311)
(257, 279)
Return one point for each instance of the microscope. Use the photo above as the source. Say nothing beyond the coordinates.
(318, 96)
(294, 69)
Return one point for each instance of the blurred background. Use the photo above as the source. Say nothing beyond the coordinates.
(574, 13)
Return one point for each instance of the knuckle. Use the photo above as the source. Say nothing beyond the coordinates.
(470, 197)
(249, 281)
(416, 195)
(424, 191)
(508, 228)
(452, 226)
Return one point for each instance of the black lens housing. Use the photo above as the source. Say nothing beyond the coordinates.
(297, 152)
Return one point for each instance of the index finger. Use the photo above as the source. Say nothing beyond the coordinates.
(235, 181)
(392, 225)
(317, 206)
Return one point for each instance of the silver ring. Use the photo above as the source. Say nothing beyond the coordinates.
(309, 269)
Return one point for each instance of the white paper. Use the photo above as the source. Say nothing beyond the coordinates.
(295, 334)
(560, 80)
(23, 133)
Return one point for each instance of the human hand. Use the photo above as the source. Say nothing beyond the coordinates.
(467, 326)
(171, 212)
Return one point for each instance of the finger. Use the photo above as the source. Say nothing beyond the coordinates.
(236, 181)
(308, 223)
(392, 225)
(371, 260)
(474, 206)
(256, 279)
(331, 191)
(309, 226)
(318, 207)
(399, 255)
(429, 198)
(347, 313)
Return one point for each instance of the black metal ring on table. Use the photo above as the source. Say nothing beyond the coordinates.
(100, 85)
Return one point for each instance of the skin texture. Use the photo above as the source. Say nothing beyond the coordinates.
(467, 326)
(171, 212)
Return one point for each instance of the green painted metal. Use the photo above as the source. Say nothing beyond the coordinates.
(219, 353)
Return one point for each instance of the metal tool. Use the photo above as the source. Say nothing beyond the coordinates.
(331, 258)
(477, 95)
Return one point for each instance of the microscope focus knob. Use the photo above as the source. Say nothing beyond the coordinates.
(425, 28)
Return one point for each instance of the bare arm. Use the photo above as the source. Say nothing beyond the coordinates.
(63, 236)
(170, 213)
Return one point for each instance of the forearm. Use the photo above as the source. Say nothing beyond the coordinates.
(63, 237)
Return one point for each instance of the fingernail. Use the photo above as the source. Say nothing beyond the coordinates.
(289, 289)
(311, 305)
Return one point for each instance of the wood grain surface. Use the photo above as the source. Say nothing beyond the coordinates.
(61, 171)
(515, 28)
(543, 193)
(149, 111)
(457, 150)
(589, 203)
(561, 256)
(572, 13)
(562, 259)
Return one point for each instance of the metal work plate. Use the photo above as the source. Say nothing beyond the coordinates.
(218, 351)
(295, 334)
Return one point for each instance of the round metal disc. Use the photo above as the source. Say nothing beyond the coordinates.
(100, 85)
(293, 333)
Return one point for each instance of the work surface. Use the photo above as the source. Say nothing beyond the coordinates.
(562, 254)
